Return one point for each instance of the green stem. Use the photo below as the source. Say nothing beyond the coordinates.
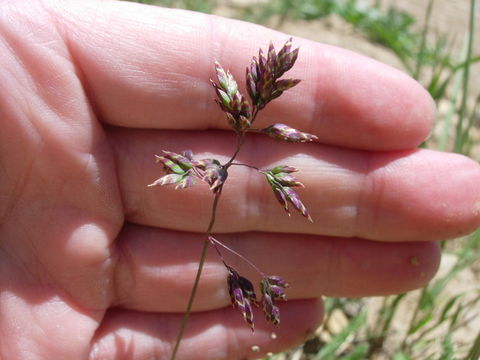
(241, 140)
(246, 165)
(390, 310)
(203, 256)
(474, 352)
(462, 133)
(421, 55)
(214, 213)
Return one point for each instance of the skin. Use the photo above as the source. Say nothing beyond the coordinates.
(95, 265)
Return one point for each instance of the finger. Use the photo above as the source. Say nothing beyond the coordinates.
(391, 196)
(154, 273)
(214, 335)
(151, 69)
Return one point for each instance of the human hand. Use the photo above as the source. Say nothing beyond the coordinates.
(93, 264)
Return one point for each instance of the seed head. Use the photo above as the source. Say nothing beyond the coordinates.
(215, 175)
(275, 286)
(271, 312)
(287, 133)
(183, 169)
(281, 181)
(286, 58)
(283, 169)
(242, 295)
(230, 100)
(272, 288)
(178, 168)
(263, 73)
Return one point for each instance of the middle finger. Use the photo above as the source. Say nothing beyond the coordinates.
(387, 196)
(156, 267)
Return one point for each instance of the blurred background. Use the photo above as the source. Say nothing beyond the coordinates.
(438, 43)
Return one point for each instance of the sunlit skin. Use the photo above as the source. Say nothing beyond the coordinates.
(96, 265)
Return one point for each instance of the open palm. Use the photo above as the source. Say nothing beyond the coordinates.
(93, 264)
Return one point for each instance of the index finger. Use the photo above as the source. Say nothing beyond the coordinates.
(149, 67)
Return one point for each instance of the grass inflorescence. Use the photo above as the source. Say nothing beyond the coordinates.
(433, 316)
(264, 83)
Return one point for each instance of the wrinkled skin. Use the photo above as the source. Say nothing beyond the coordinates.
(95, 265)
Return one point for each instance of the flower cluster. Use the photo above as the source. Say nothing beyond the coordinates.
(273, 288)
(182, 170)
(263, 73)
(242, 295)
(263, 85)
(287, 133)
(282, 182)
(231, 101)
(214, 174)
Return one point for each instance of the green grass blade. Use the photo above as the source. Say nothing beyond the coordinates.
(474, 353)
(360, 352)
(455, 317)
(448, 306)
(473, 60)
(328, 351)
(401, 356)
(423, 42)
(421, 323)
(390, 312)
(462, 133)
(471, 121)
(448, 352)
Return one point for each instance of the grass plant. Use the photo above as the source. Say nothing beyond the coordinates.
(436, 316)
(183, 170)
